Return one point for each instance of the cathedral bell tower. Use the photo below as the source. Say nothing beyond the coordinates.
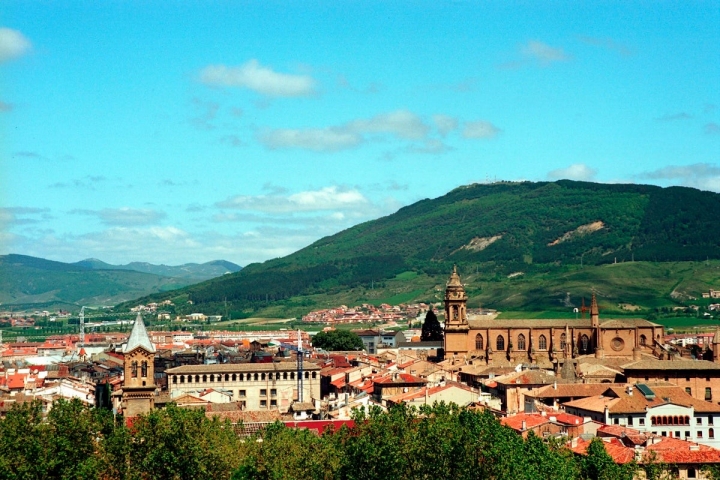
(138, 393)
(456, 326)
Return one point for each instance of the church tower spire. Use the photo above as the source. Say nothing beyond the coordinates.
(138, 394)
(716, 345)
(456, 325)
(595, 321)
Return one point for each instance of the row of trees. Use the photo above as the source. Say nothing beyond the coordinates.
(442, 441)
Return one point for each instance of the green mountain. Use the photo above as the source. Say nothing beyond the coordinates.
(491, 231)
(191, 271)
(29, 282)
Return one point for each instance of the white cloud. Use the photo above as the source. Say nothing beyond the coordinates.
(704, 176)
(445, 123)
(577, 171)
(607, 43)
(316, 139)
(22, 215)
(431, 145)
(12, 44)
(401, 123)
(480, 129)
(327, 198)
(544, 53)
(125, 216)
(258, 78)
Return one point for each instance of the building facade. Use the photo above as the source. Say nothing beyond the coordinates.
(256, 386)
(538, 341)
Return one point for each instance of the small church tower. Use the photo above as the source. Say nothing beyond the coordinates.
(716, 345)
(595, 321)
(456, 326)
(138, 393)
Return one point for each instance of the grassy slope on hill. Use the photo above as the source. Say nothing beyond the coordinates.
(639, 222)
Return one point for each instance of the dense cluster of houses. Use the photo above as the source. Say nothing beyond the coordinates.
(367, 313)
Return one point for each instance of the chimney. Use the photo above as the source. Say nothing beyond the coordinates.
(524, 425)
(629, 390)
(555, 385)
(573, 442)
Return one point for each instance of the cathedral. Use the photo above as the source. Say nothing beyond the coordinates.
(540, 340)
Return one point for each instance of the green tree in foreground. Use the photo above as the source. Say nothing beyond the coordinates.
(431, 328)
(337, 340)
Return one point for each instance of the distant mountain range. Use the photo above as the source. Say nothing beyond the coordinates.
(29, 281)
(492, 232)
(192, 271)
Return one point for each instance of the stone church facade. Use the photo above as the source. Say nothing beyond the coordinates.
(541, 340)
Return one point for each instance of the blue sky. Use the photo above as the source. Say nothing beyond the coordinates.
(174, 132)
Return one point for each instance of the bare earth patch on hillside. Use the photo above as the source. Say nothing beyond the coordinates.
(479, 244)
(580, 231)
(629, 307)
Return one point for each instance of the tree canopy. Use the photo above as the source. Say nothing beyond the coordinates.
(431, 329)
(337, 340)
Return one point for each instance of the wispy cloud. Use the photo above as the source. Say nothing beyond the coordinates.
(125, 216)
(401, 123)
(543, 53)
(705, 176)
(88, 181)
(480, 129)
(445, 123)
(316, 139)
(675, 116)
(205, 113)
(22, 215)
(607, 43)
(258, 78)
(327, 198)
(431, 145)
(13, 44)
(712, 128)
(577, 171)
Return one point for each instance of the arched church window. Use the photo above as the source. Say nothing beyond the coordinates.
(542, 342)
(500, 343)
(479, 342)
(144, 369)
(521, 342)
(584, 343)
(643, 340)
(134, 369)
(563, 341)
(455, 312)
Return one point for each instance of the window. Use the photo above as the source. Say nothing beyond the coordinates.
(584, 343)
(691, 473)
(273, 403)
(664, 434)
(642, 421)
(711, 433)
(699, 434)
(313, 374)
(630, 421)
(563, 341)
(698, 421)
(242, 393)
(542, 342)
(134, 369)
(616, 421)
(688, 390)
(521, 342)
(144, 369)
(273, 392)
(710, 420)
(708, 394)
(677, 434)
(500, 343)
(478, 342)
(263, 403)
(643, 339)
(263, 392)
(687, 434)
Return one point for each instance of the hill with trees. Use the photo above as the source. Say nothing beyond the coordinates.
(542, 233)
(30, 282)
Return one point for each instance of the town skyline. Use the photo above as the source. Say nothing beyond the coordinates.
(246, 131)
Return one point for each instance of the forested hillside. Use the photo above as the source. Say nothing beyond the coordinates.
(496, 229)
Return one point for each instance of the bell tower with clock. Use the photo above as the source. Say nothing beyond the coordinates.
(456, 325)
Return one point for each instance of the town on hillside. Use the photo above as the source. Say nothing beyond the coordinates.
(622, 380)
